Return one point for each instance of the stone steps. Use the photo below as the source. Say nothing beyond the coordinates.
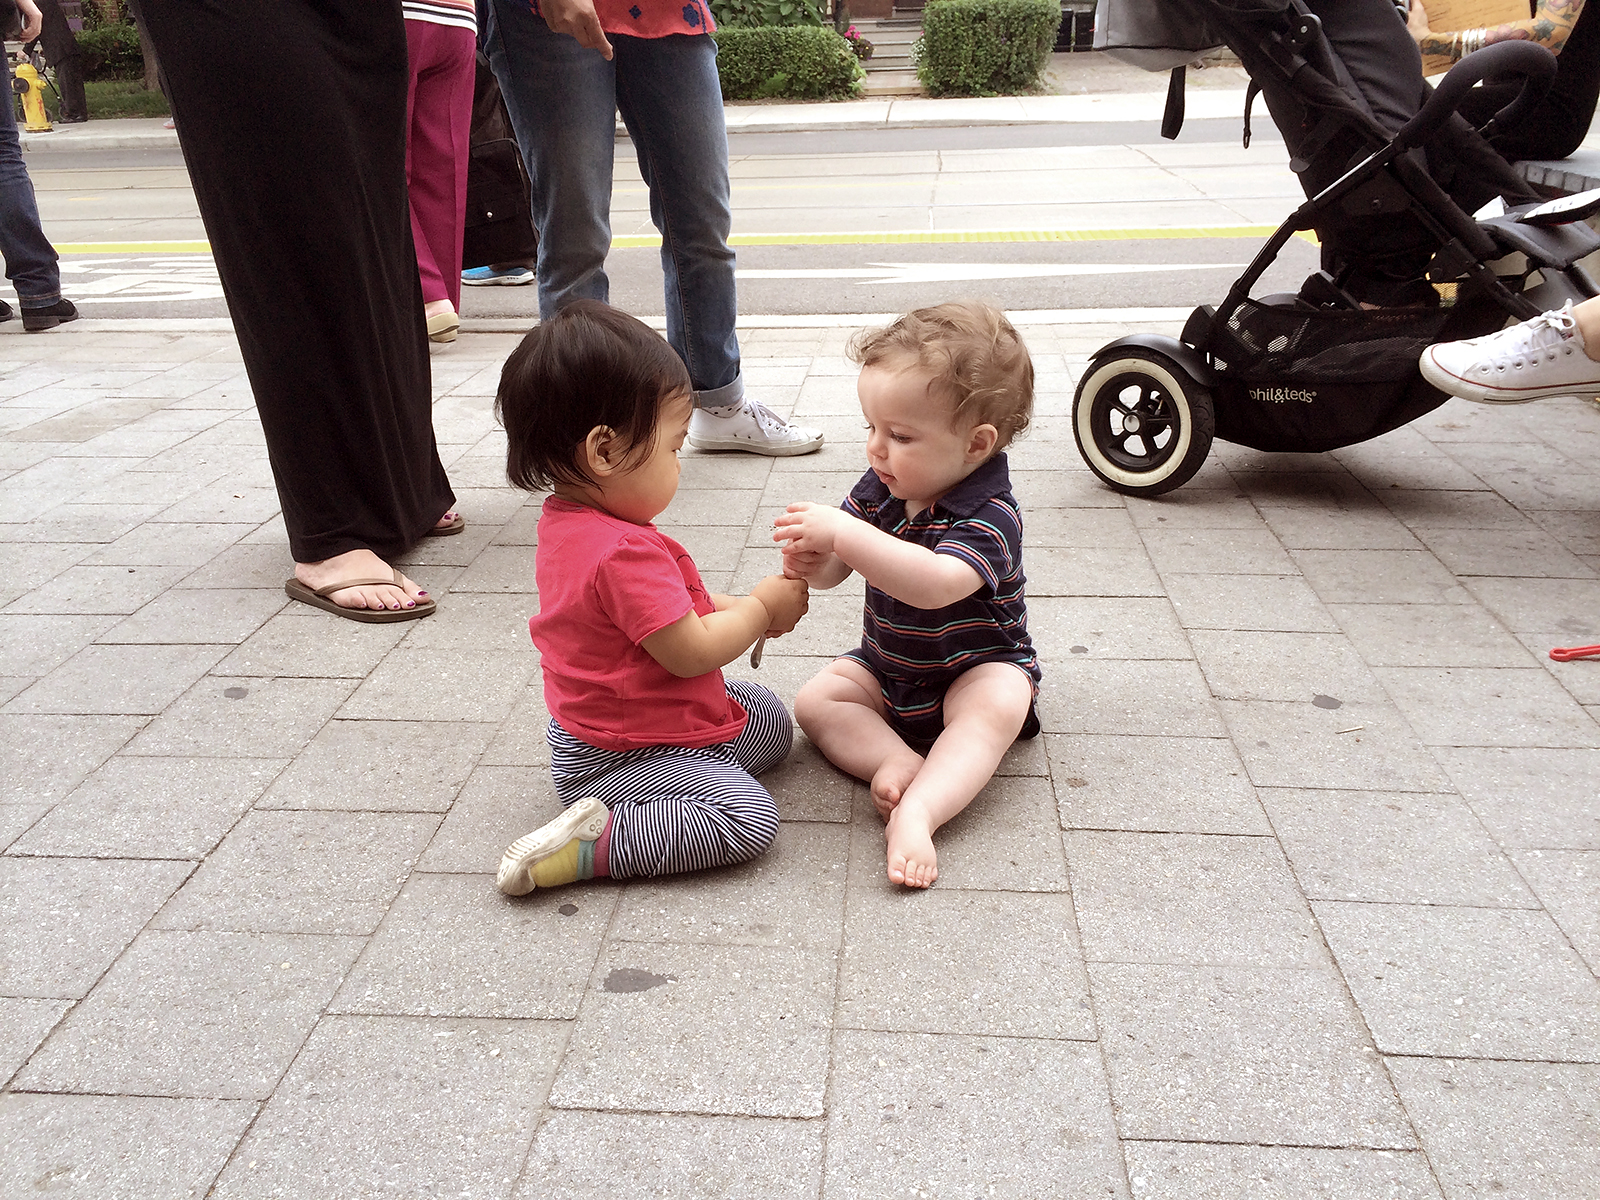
(891, 83)
(889, 70)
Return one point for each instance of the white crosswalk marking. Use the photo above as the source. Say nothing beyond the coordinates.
(931, 272)
(110, 280)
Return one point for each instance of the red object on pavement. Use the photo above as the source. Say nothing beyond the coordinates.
(1568, 653)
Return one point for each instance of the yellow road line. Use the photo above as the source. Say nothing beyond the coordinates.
(201, 247)
(635, 241)
(970, 236)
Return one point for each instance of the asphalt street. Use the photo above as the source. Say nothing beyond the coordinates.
(1086, 215)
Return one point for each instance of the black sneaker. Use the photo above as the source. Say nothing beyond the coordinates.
(5, 311)
(48, 317)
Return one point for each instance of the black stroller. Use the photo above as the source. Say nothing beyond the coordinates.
(1336, 363)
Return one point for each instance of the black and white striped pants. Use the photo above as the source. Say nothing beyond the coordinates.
(677, 808)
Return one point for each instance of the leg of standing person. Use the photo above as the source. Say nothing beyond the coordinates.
(439, 124)
(292, 122)
(669, 809)
(60, 46)
(671, 102)
(31, 262)
(563, 101)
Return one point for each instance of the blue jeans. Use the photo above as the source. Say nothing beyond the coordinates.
(30, 258)
(563, 101)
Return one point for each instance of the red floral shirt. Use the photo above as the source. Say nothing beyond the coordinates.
(650, 18)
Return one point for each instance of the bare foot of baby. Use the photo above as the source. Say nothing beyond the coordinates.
(892, 779)
(911, 858)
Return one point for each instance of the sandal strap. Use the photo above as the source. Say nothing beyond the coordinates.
(325, 592)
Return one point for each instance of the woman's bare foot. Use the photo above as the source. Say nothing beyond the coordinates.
(891, 779)
(450, 518)
(911, 859)
(360, 564)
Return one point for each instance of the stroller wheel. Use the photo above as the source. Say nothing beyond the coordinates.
(1142, 423)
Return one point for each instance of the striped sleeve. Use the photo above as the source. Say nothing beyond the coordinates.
(989, 541)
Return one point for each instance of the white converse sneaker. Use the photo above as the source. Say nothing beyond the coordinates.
(1538, 358)
(750, 426)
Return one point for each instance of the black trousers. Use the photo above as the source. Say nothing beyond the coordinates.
(61, 52)
(1381, 258)
(291, 114)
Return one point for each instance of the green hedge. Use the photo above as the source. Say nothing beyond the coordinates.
(111, 52)
(753, 14)
(984, 47)
(801, 62)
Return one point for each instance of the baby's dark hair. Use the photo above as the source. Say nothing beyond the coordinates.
(588, 365)
(976, 358)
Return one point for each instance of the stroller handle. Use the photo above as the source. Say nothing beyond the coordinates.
(1535, 64)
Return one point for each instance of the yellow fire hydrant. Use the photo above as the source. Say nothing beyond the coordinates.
(27, 84)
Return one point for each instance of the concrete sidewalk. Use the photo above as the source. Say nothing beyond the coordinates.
(1298, 895)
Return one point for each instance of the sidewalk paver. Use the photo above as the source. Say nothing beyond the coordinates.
(1295, 895)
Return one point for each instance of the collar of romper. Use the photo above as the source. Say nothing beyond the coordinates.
(963, 500)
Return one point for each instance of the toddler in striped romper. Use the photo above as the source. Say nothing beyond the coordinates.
(945, 677)
(653, 754)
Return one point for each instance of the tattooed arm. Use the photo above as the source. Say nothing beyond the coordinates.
(1549, 26)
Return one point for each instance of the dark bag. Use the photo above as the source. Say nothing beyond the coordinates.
(499, 221)
(1148, 34)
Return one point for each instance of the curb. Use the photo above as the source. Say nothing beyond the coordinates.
(145, 133)
(86, 326)
(114, 133)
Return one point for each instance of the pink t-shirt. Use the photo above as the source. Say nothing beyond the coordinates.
(650, 18)
(605, 585)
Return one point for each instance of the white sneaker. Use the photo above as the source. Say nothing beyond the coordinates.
(554, 853)
(1538, 358)
(750, 426)
(497, 276)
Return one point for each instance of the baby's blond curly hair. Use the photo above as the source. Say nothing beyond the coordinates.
(975, 356)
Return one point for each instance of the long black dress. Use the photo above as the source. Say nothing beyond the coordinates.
(291, 114)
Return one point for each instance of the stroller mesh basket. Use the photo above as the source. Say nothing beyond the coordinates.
(1301, 379)
(1262, 343)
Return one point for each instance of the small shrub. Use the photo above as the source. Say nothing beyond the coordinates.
(794, 63)
(984, 47)
(111, 52)
(754, 14)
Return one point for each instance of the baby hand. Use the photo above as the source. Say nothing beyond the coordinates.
(809, 528)
(799, 564)
(786, 601)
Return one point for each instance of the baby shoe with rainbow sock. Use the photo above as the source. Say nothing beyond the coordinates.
(572, 847)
